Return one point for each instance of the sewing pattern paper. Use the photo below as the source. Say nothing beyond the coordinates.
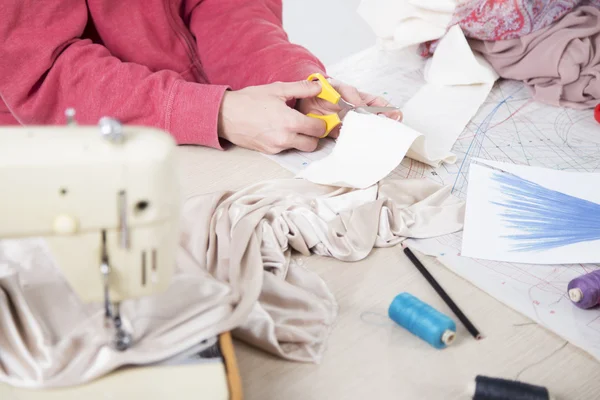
(531, 215)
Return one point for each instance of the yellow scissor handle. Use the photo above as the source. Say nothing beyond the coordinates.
(331, 121)
(328, 93)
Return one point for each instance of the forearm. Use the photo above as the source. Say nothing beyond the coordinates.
(45, 68)
(242, 43)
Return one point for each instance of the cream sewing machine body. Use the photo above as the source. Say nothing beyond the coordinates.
(106, 200)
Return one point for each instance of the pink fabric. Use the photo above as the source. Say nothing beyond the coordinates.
(507, 19)
(159, 63)
(560, 63)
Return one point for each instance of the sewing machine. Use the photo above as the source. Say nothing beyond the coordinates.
(106, 200)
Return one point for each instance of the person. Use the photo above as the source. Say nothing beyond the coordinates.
(203, 70)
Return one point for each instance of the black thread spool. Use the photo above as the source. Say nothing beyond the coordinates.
(486, 388)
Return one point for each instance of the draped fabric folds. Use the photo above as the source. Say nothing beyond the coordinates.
(235, 270)
(560, 63)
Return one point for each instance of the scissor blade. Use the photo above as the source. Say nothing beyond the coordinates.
(376, 110)
(367, 110)
(345, 105)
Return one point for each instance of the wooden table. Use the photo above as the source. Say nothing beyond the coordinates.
(367, 356)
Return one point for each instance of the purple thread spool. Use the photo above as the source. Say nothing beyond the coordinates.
(584, 291)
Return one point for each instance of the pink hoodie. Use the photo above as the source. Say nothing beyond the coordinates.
(160, 63)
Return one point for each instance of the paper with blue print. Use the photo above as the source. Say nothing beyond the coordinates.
(531, 215)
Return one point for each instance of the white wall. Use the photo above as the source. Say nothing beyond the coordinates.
(337, 30)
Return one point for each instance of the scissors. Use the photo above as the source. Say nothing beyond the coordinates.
(329, 94)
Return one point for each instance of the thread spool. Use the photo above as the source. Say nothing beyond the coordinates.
(487, 388)
(584, 291)
(422, 320)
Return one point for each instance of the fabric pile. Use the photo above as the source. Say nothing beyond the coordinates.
(553, 46)
(550, 45)
(493, 20)
(560, 63)
(235, 271)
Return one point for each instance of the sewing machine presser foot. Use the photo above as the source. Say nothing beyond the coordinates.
(122, 339)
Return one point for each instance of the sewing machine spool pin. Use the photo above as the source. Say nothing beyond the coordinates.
(111, 129)
(70, 116)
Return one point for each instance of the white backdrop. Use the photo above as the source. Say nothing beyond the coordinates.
(331, 29)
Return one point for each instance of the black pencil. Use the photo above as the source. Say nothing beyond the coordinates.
(459, 314)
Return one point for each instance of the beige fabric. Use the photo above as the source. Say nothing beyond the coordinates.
(234, 270)
(560, 63)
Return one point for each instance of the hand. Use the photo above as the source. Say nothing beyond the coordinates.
(258, 118)
(349, 93)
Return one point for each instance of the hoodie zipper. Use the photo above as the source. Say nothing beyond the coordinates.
(185, 36)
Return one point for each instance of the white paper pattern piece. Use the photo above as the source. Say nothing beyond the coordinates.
(531, 215)
(368, 149)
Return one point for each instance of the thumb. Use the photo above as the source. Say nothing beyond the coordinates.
(298, 90)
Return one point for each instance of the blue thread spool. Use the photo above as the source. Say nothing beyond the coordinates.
(422, 320)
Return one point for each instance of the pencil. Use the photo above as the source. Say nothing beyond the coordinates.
(459, 314)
